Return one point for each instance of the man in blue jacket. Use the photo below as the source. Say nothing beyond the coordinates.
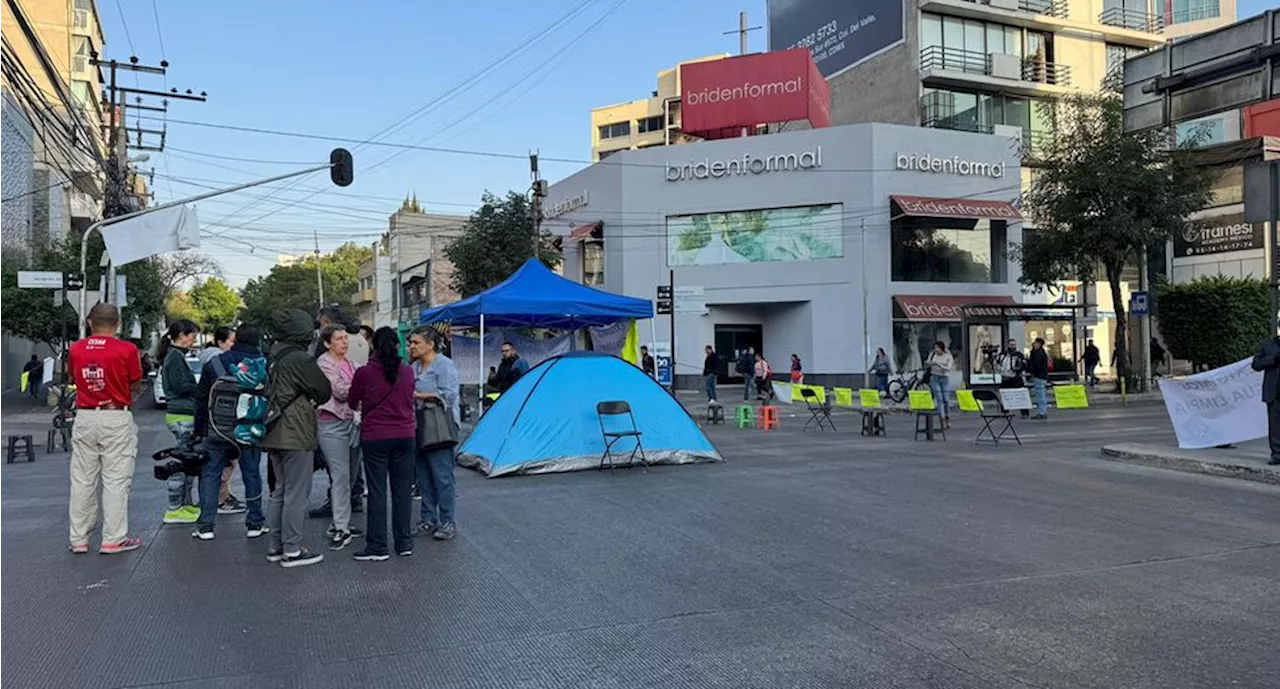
(221, 452)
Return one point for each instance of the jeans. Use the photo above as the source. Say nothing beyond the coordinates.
(287, 509)
(435, 481)
(749, 387)
(183, 429)
(711, 387)
(343, 462)
(389, 462)
(221, 457)
(1089, 370)
(104, 448)
(882, 383)
(1042, 396)
(941, 385)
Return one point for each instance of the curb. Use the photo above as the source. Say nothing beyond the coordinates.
(1245, 472)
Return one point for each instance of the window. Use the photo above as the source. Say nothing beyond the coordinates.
(947, 250)
(593, 262)
(611, 131)
(1183, 11)
(982, 111)
(650, 124)
(953, 43)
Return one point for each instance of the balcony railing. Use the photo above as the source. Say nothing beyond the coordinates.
(1046, 72)
(1052, 8)
(938, 57)
(1137, 20)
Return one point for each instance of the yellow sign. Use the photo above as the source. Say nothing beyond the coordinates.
(1070, 397)
(967, 401)
(25, 377)
(796, 397)
(870, 399)
(844, 397)
(820, 391)
(921, 400)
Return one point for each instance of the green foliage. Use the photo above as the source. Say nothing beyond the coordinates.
(1214, 321)
(215, 303)
(30, 313)
(294, 287)
(1102, 195)
(496, 241)
(179, 307)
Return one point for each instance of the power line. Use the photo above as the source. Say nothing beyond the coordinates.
(259, 161)
(125, 25)
(155, 12)
(51, 187)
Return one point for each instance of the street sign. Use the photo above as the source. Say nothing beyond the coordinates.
(663, 363)
(690, 299)
(72, 281)
(664, 307)
(39, 279)
(1138, 304)
(664, 291)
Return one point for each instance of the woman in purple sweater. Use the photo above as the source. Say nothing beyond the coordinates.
(383, 392)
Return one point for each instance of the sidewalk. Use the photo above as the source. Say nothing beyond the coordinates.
(1246, 461)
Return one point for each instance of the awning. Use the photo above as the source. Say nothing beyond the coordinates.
(925, 206)
(940, 309)
(586, 231)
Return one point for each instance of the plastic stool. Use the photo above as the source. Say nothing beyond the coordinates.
(746, 416)
(27, 447)
(715, 414)
(873, 422)
(58, 436)
(767, 417)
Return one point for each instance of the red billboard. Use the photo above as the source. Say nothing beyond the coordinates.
(1262, 119)
(720, 97)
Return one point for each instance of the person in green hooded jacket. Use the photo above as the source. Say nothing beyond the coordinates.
(180, 390)
(295, 387)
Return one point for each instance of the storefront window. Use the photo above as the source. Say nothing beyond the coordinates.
(947, 250)
(912, 342)
(1058, 342)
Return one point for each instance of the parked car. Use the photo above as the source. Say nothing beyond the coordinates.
(157, 389)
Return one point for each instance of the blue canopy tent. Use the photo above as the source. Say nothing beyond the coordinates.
(535, 297)
(547, 421)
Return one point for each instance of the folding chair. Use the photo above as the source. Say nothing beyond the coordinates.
(988, 434)
(819, 412)
(615, 431)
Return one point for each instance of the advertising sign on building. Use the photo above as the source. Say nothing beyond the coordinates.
(720, 97)
(839, 33)
(1218, 235)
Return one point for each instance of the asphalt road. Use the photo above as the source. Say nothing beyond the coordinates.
(804, 561)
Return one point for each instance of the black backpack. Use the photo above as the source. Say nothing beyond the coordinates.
(238, 402)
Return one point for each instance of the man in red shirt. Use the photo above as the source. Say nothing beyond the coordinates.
(104, 444)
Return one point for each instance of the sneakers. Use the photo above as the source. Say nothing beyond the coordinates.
(446, 532)
(79, 549)
(204, 533)
(255, 530)
(275, 555)
(416, 495)
(339, 540)
(187, 514)
(408, 552)
(424, 529)
(232, 505)
(302, 558)
(366, 556)
(130, 543)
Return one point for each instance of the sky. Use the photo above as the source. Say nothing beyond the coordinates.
(442, 72)
(350, 69)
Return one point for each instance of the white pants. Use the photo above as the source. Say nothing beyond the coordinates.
(104, 447)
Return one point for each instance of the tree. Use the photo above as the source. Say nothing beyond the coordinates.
(294, 286)
(179, 267)
(180, 307)
(215, 303)
(1102, 196)
(1214, 321)
(495, 242)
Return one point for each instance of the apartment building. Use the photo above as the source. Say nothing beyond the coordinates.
(410, 271)
(50, 85)
(642, 123)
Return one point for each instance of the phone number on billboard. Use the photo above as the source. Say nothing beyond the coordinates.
(829, 39)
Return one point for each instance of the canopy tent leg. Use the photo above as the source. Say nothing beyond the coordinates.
(483, 377)
(653, 342)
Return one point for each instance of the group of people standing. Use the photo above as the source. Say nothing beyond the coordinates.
(361, 417)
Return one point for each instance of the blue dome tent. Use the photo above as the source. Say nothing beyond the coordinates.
(547, 421)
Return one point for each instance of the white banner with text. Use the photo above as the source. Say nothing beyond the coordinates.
(1216, 407)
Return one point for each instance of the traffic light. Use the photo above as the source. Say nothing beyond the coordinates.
(340, 167)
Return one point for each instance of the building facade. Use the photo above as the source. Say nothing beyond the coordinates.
(642, 123)
(827, 243)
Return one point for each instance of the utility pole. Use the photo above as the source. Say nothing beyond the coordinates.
(319, 273)
(742, 31)
(537, 194)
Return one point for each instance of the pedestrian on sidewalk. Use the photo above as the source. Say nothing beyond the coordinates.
(1012, 365)
(939, 366)
(104, 446)
(382, 391)
(764, 378)
(1038, 368)
(297, 386)
(33, 378)
(436, 382)
(709, 366)
(881, 369)
(338, 434)
(1267, 360)
(224, 338)
(746, 368)
(223, 452)
(1091, 359)
(797, 370)
(180, 390)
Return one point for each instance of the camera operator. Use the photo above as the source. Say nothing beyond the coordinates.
(1012, 364)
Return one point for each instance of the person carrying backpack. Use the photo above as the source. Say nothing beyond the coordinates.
(230, 411)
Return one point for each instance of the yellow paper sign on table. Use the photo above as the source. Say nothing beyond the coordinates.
(967, 401)
(870, 399)
(795, 393)
(844, 397)
(819, 392)
(920, 400)
(1070, 397)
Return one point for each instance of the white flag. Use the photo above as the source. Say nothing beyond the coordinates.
(171, 229)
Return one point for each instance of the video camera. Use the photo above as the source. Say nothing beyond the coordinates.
(178, 460)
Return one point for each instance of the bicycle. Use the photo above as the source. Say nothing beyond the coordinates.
(899, 386)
